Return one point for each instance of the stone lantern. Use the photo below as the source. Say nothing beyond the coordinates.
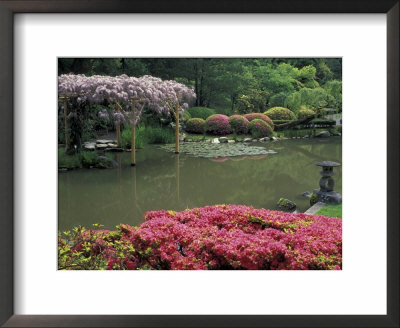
(325, 193)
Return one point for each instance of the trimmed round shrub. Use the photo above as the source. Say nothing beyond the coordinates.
(200, 112)
(218, 124)
(186, 116)
(195, 125)
(260, 116)
(280, 113)
(259, 128)
(239, 124)
(304, 113)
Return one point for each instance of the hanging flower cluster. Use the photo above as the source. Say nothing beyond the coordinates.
(212, 237)
(162, 96)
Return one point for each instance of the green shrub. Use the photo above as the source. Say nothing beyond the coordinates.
(305, 113)
(68, 161)
(239, 124)
(201, 112)
(186, 116)
(278, 122)
(280, 113)
(89, 158)
(195, 125)
(259, 128)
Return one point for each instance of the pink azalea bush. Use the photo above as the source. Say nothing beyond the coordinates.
(260, 128)
(195, 125)
(213, 237)
(218, 124)
(260, 116)
(239, 124)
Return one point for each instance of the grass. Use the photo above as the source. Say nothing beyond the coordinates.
(331, 211)
(147, 135)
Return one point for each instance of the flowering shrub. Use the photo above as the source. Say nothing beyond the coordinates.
(239, 124)
(280, 113)
(195, 125)
(212, 237)
(260, 116)
(259, 128)
(218, 124)
(304, 113)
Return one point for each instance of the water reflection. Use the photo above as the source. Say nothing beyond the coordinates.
(162, 180)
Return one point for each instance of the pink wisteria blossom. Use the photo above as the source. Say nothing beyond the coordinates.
(159, 95)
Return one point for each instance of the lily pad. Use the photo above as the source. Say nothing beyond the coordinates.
(209, 150)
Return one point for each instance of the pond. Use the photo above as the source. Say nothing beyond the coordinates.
(163, 180)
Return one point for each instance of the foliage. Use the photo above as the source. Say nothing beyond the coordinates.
(253, 101)
(201, 112)
(260, 116)
(259, 128)
(280, 113)
(68, 161)
(147, 135)
(305, 113)
(186, 116)
(195, 125)
(239, 124)
(140, 137)
(220, 82)
(213, 237)
(89, 158)
(218, 124)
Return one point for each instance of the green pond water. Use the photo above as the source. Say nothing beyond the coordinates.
(163, 180)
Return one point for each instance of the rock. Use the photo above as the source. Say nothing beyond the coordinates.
(112, 145)
(215, 141)
(254, 140)
(223, 139)
(114, 149)
(306, 194)
(306, 136)
(106, 163)
(89, 146)
(103, 141)
(274, 138)
(189, 140)
(101, 146)
(231, 141)
(62, 169)
(323, 134)
(286, 205)
(182, 137)
(247, 140)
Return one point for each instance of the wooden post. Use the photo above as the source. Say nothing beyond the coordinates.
(118, 128)
(177, 129)
(66, 124)
(177, 176)
(133, 153)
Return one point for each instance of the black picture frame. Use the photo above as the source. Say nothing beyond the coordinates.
(10, 7)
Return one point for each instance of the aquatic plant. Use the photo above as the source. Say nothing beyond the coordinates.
(280, 113)
(195, 125)
(212, 237)
(260, 116)
(259, 128)
(239, 124)
(218, 124)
